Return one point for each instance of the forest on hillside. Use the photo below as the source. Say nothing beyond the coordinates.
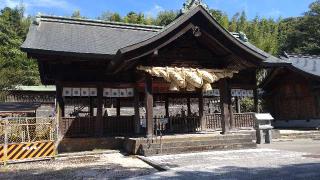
(296, 34)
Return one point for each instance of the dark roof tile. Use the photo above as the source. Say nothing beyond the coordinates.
(84, 36)
(307, 63)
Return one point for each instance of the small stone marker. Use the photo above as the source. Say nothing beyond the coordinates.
(263, 127)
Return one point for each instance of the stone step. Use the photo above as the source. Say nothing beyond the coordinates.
(189, 149)
(301, 135)
(195, 143)
(200, 138)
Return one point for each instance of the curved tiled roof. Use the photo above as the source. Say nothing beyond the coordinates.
(306, 63)
(94, 38)
(60, 34)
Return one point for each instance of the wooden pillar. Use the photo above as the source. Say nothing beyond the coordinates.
(149, 106)
(238, 105)
(99, 118)
(136, 111)
(118, 107)
(232, 121)
(189, 106)
(201, 113)
(91, 108)
(59, 114)
(59, 110)
(225, 101)
(256, 100)
(166, 104)
(255, 95)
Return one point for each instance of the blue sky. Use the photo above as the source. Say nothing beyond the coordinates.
(93, 8)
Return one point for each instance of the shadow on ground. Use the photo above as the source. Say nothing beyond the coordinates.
(113, 171)
(308, 171)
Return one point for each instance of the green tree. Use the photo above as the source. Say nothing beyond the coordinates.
(131, 17)
(242, 22)
(221, 17)
(110, 16)
(233, 23)
(15, 67)
(165, 17)
(304, 37)
(77, 14)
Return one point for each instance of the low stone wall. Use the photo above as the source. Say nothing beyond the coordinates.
(89, 144)
(297, 124)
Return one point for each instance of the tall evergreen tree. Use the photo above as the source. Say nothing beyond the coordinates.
(110, 16)
(15, 67)
(221, 17)
(305, 36)
(165, 17)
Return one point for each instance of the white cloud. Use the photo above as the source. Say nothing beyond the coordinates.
(29, 4)
(153, 12)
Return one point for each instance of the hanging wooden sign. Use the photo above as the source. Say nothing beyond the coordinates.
(85, 92)
(67, 92)
(107, 92)
(76, 92)
(93, 92)
(130, 92)
(122, 92)
(115, 93)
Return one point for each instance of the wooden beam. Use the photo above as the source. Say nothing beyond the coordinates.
(149, 106)
(224, 104)
(99, 118)
(136, 111)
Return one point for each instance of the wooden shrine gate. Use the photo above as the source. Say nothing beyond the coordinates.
(25, 139)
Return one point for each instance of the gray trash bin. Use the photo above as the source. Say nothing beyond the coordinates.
(263, 127)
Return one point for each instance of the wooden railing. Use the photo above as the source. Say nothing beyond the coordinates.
(241, 120)
(77, 126)
(213, 121)
(244, 120)
(116, 126)
(178, 124)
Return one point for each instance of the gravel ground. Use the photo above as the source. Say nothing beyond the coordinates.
(99, 166)
(239, 164)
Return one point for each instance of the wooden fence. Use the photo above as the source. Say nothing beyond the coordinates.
(177, 124)
(241, 120)
(77, 126)
(244, 120)
(116, 126)
(213, 121)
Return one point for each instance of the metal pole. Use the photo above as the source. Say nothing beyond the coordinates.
(5, 142)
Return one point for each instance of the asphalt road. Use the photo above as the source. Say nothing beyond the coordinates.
(299, 159)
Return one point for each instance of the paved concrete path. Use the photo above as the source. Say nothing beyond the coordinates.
(298, 145)
(239, 164)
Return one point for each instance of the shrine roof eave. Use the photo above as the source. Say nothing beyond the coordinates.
(163, 37)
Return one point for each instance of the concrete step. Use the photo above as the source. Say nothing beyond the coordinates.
(200, 138)
(189, 149)
(300, 135)
(187, 143)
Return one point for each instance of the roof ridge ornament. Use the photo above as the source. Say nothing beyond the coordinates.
(190, 4)
(243, 36)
